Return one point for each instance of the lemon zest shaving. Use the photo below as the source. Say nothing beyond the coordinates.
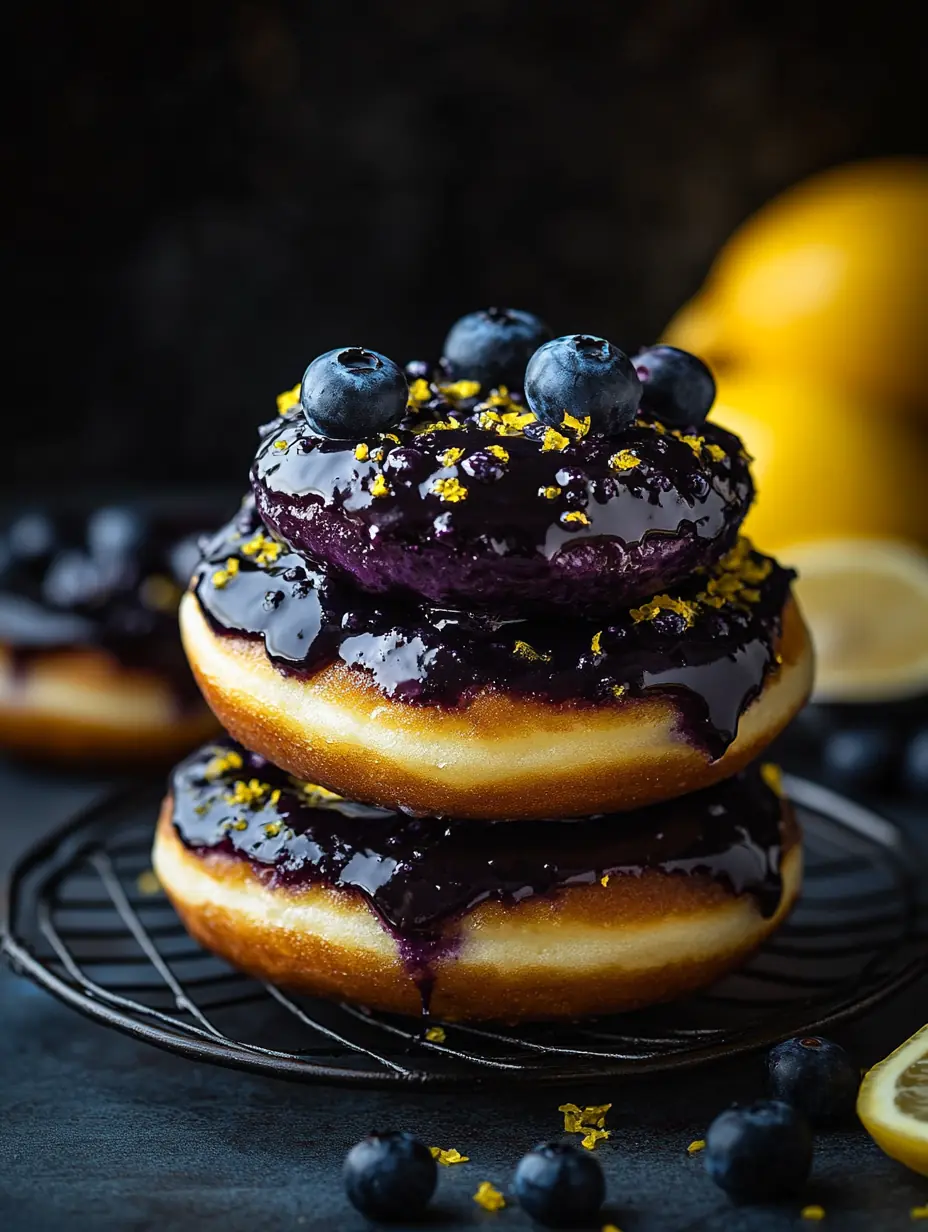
(575, 517)
(525, 651)
(362, 452)
(280, 444)
(451, 456)
(664, 603)
(457, 391)
(592, 1136)
(489, 1197)
(288, 400)
(221, 763)
(697, 1145)
(435, 1035)
(419, 391)
(580, 426)
(604, 880)
(379, 486)
(554, 440)
(619, 690)
(448, 1157)
(450, 490)
(814, 1211)
(147, 883)
(624, 460)
(596, 645)
(498, 452)
(550, 493)
(716, 453)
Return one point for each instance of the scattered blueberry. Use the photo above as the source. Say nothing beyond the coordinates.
(73, 580)
(351, 391)
(814, 1075)
(114, 531)
(915, 767)
(417, 370)
(760, 1152)
(677, 388)
(493, 346)
(559, 1185)
(583, 375)
(390, 1176)
(858, 758)
(31, 536)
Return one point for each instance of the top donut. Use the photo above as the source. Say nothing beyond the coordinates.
(525, 473)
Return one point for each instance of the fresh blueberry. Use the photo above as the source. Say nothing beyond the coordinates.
(815, 1076)
(31, 536)
(558, 1185)
(390, 1176)
(915, 770)
(583, 375)
(493, 347)
(760, 1152)
(858, 758)
(73, 580)
(114, 531)
(350, 391)
(417, 370)
(677, 388)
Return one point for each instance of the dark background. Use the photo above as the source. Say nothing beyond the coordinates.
(203, 197)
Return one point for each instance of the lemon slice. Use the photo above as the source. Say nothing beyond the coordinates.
(893, 1103)
(866, 603)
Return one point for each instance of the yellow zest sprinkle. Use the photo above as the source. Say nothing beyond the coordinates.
(275, 797)
(379, 486)
(610, 1227)
(550, 493)
(220, 578)
(264, 549)
(596, 645)
(280, 444)
(362, 452)
(500, 397)
(695, 442)
(449, 1157)
(315, 795)
(489, 1198)
(750, 596)
(451, 456)
(435, 1035)
(575, 517)
(619, 690)
(147, 883)
(219, 765)
(813, 1212)
(272, 829)
(288, 400)
(624, 460)
(506, 423)
(716, 453)
(525, 651)
(664, 603)
(604, 880)
(160, 593)
(451, 490)
(919, 1212)
(554, 440)
(252, 792)
(580, 426)
(241, 824)
(498, 452)
(377, 454)
(696, 1146)
(592, 1136)
(458, 390)
(391, 436)
(420, 391)
(438, 425)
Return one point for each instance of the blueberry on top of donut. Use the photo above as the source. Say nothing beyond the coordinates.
(493, 346)
(350, 390)
(677, 387)
(586, 377)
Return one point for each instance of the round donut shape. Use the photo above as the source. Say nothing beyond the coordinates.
(588, 949)
(491, 510)
(496, 756)
(81, 705)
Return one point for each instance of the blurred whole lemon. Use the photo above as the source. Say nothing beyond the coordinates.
(828, 280)
(823, 464)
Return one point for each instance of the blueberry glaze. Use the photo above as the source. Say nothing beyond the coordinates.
(495, 511)
(710, 651)
(110, 580)
(421, 874)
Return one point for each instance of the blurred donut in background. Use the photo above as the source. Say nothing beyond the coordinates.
(91, 666)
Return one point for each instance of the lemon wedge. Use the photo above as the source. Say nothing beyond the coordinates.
(893, 1103)
(866, 603)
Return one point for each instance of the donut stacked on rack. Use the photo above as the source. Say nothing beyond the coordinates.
(497, 671)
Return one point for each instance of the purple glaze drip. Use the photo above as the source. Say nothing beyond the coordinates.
(420, 875)
(506, 546)
(309, 617)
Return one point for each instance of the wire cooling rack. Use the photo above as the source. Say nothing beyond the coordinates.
(84, 919)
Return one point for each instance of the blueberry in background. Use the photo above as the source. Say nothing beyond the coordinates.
(760, 1152)
(559, 1185)
(350, 392)
(31, 537)
(915, 765)
(816, 1076)
(115, 531)
(583, 375)
(390, 1175)
(676, 387)
(493, 346)
(417, 370)
(859, 758)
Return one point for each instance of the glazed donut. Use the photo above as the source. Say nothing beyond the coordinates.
(91, 666)
(476, 504)
(473, 920)
(446, 713)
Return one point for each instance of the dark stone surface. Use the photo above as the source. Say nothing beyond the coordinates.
(98, 1132)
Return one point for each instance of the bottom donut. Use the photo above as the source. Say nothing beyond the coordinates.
(473, 920)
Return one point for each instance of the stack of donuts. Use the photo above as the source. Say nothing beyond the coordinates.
(498, 672)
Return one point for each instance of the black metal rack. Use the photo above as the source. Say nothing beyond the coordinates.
(82, 922)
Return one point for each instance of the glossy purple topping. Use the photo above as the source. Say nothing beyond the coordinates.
(709, 645)
(420, 873)
(492, 510)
